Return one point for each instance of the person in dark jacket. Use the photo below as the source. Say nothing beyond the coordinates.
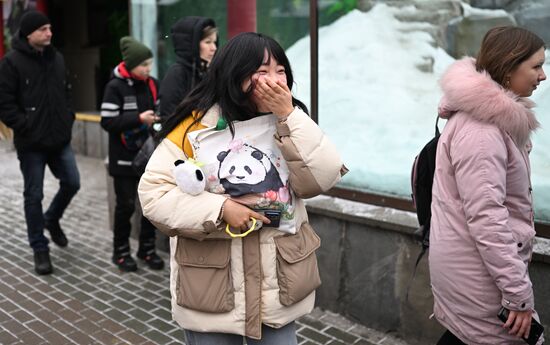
(195, 42)
(127, 113)
(34, 102)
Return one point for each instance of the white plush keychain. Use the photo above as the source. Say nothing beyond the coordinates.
(189, 176)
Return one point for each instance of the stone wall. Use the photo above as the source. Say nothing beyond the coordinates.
(89, 139)
(367, 258)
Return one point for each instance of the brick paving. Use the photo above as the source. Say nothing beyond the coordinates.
(87, 300)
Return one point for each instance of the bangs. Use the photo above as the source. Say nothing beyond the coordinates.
(274, 50)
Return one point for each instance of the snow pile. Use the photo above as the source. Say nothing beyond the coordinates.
(373, 100)
(380, 108)
(472, 12)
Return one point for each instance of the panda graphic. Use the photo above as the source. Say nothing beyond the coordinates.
(245, 170)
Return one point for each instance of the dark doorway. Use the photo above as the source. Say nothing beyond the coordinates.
(87, 34)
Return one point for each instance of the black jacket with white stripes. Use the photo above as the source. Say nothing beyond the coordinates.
(124, 99)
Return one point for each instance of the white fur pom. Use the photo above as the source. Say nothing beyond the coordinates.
(189, 177)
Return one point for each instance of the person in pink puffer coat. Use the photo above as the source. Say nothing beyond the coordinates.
(482, 225)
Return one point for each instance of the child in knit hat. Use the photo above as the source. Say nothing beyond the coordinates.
(134, 53)
(127, 113)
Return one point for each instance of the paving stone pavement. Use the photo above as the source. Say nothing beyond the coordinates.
(87, 300)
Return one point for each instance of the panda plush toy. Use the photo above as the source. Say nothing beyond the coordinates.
(247, 170)
(189, 176)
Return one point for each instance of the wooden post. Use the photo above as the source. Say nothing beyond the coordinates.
(314, 58)
(2, 50)
(241, 16)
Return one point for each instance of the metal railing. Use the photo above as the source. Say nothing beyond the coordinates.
(542, 229)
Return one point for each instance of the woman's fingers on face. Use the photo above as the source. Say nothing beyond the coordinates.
(258, 92)
(262, 88)
(263, 96)
(269, 86)
(270, 82)
(283, 85)
(278, 87)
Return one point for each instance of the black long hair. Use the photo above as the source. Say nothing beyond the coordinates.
(234, 63)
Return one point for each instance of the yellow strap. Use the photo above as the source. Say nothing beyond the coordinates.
(176, 136)
(244, 233)
(88, 117)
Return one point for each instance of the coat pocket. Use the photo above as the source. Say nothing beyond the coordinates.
(297, 270)
(204, 275)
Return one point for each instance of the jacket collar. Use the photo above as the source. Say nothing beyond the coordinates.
(121, 72)
(479, 96)
(22, 45)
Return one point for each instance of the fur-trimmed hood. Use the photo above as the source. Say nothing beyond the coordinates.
(478, 95)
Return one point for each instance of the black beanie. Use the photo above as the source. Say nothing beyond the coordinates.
(133, 52)
(31, 21)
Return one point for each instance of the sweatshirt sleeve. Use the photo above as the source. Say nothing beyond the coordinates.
(313, 161)
(113, 116)
(173, 212)
(480, 161)
(11, 113)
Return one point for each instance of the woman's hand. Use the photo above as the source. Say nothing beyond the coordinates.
(519, 323)
(238, 216)
(274, 96)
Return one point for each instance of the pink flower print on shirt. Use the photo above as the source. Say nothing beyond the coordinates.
(271, 195)
(284, 195)
(236, 145)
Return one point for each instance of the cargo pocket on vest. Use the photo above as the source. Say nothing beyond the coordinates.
(297, 270)
(204, 275)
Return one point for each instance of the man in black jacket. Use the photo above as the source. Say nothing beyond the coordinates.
(34, 103)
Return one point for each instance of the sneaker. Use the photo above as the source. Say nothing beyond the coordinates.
(125, 263)
(42, 263)
(152, 260)
(56, 233)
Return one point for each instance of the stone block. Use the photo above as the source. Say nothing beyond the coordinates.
(94, 137)
(539, 273)
(370, 266)
(535, 18)
(491, 4)
(329, 260)
(89, 139)
(78, 140)
(464, 34)
(417, 307)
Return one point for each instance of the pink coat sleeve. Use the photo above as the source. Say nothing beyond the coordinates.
(480, 161)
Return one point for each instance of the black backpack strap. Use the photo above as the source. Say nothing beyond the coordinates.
(422, 252)
(425, 246)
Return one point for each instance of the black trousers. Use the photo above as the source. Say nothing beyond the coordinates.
(62, 164)
(449, 339)
(126, 192)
